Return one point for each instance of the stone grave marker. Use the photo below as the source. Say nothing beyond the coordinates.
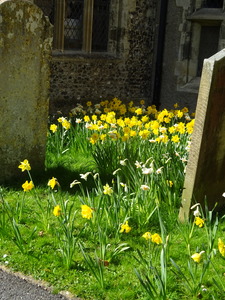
(25, 49)
(205, 174)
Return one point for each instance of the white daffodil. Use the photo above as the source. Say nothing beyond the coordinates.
(145, 187)
(138, 164)
(147, 171)
(84, 176)
(196, 212)
(123, 162)
(74, 183)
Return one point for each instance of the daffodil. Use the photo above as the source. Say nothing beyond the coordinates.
(156, 238)
(199, 222)
(85, 176)
(175, 138)
(147, 235)
(107, 190)
(24, 165)
(53, 182)
(138, 111)
(196, 212)
(123, 162)
(86, 119)
(94, 138)
(125, 228)
(74, 183)
(145, 187)
(86, 211)
(27, 186)
(197, 256)
(66, 124)
(221, 247)
(170, 183)
(53, 128)
(147, 171)
(57, 211)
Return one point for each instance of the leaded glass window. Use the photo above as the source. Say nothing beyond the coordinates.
(73, 24)
(212, 3)
(100, 25)
(78, 24)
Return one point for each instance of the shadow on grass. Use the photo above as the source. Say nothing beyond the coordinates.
(65, 171)
(64, 176)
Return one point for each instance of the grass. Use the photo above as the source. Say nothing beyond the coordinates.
(113, 174)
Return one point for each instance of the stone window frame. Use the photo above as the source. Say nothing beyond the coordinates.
(58, 38)
(186, 68)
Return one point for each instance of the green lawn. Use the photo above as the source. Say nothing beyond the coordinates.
(114, 173)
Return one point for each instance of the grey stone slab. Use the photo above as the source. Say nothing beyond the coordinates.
(205, 174)
(25, 50)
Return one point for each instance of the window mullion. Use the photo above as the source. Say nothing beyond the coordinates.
(59, 25)
(87, 25)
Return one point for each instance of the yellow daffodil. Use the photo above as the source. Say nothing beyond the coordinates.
(57, 211)
(86, 119)
(24, 165)
(89, 103)
(185, 110)
(86, 211)
(27, 186)
(175, 138)
(170, 183)
(66, 124)
(197, 256)
(53, 128)
(144, 134)
(172, 129)
(147, 235)
(190, 126)
(107, 190)
(199, 222)
(180, 114)
(180, 128)
(94, 117)
(221, 247)
(138, 111)
(53, 182)
(60, 120)
(125, 228)
(145, 119)
(94, 138)
(156, 238)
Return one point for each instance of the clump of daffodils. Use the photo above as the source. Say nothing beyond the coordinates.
(118, 121)
(155, 238)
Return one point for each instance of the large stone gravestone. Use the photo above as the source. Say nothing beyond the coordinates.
(205, 174)
(25, 48)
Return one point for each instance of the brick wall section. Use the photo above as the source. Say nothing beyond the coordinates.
(125, 73)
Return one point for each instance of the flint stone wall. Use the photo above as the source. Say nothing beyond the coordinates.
(124, 72)
(25, 47)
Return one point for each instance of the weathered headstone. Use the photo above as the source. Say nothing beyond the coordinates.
(25, 49)
(205, 174)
